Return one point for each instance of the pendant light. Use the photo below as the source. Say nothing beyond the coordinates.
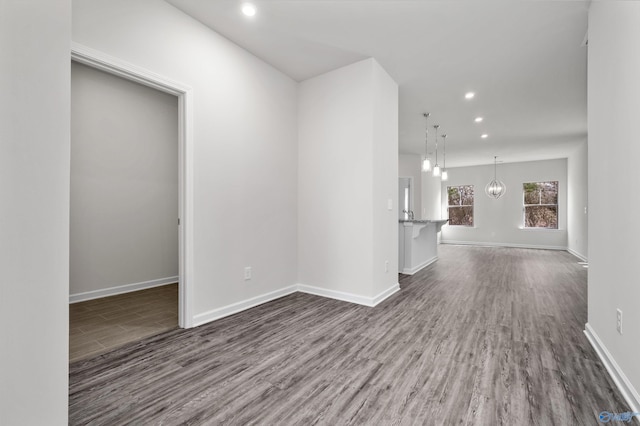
(436, 168)
(495, 188)
(426, 163)
(445, 174)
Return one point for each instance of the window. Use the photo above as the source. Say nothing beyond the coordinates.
(460, 205)
(540, 204)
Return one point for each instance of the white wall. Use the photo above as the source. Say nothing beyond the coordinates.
(500, 221)
(348, 170)
(34, 212)
(410, 165)
(245, 153)
(426, 188)
(124, 182)
(432, 197)
(577, 212)
(384, 180)
(614, 155)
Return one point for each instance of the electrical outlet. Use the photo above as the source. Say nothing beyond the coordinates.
(247, 273)
(619, 321)
(386, 266)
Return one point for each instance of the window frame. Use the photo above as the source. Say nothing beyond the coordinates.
(473, 206)
(556, 205)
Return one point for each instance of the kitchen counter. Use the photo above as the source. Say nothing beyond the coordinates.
(418, 245)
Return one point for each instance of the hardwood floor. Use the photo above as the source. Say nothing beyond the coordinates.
(484, 336)
(100, 325)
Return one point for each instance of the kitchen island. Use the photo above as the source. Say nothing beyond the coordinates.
(418, 245)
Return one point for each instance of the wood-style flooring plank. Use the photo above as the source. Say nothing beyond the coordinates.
(484, 336)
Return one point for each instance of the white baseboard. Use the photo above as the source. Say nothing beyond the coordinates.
(411, 271)
(234, 308)
(629, 393)
(385, 294)
(349, 297)
(494, 244)
(121, 289)
(578, 255)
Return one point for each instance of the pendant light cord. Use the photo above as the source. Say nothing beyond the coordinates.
(426, 135)
(444, 152)
(436, 127)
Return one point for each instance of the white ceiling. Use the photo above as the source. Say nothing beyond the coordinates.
(524, 59)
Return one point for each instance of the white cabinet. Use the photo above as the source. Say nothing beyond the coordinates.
(418, 245)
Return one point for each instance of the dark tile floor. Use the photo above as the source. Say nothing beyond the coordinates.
(100, 325)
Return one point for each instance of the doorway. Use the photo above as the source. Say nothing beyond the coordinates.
(170, 280)
(405, 198)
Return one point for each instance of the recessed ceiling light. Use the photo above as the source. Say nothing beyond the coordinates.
(484, 136)
(248, 9)
(478, 119)
(469, 95)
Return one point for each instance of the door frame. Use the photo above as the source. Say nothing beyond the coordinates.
(101, 61)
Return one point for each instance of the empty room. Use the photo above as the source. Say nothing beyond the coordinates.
(319, 212)
(123, 263)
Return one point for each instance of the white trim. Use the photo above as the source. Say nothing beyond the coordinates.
(629, 393)
(492, 244)
(121, 289)
(534, 229)
(237, 307)
(243, 305)
(112, 65)
(385, 294)
(411, 271)
(107, 63)
(349, 297)
(578, 255)
(335, 294)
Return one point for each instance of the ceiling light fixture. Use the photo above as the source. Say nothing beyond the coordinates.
(436, 168)
(248, 9)
(426, 163)
(478, 119)
(495, 188)
(469, 95)
(484, 136)
(445, 174)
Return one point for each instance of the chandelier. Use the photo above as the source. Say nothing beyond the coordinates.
(495, 188)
